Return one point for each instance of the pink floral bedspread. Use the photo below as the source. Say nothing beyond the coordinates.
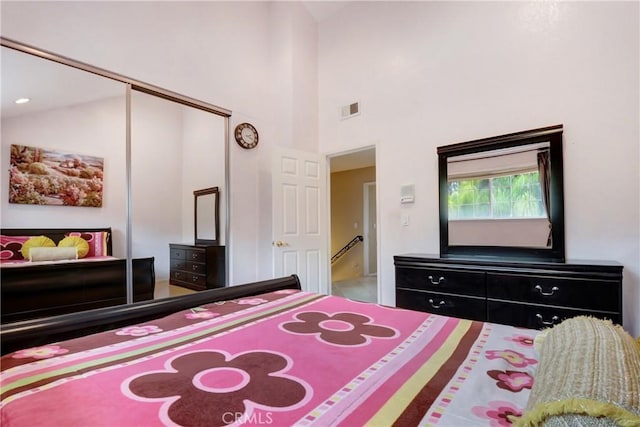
(282, 358)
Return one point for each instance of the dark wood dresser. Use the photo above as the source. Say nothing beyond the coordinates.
(527, 294)
(197, 267)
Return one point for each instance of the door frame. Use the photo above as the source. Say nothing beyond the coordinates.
(365, 225)
(329, 156)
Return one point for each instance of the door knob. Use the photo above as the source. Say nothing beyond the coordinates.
(279, 243)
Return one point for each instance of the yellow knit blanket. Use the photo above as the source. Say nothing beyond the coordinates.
(587, 367)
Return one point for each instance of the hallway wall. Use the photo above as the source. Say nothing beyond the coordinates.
(347, 220)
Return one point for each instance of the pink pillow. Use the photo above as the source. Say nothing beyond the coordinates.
(97, 241)
(11, 247)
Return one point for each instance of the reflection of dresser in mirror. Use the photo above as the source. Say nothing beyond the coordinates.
(202, 265)
(197, 267)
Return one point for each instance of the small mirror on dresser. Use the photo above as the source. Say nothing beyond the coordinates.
(206, 221)
(503, 196)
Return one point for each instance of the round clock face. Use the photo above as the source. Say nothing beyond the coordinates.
(246, 135)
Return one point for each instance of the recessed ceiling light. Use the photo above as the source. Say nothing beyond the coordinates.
(22, 100)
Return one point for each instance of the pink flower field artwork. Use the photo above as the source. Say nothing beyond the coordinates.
(39, 176)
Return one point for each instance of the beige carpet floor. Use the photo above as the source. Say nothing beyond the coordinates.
(359, 289)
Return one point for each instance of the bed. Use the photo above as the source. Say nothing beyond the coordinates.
(264, 353)
(32, 289)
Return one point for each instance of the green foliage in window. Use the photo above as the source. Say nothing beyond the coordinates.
(509, 196)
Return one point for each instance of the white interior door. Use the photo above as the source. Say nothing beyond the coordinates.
(300, 217)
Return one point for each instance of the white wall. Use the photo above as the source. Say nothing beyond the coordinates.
(203, 164)
(527, 232)
(156, 179)
(434, 73)
(255, 58)
(426, 74)
(293, 119)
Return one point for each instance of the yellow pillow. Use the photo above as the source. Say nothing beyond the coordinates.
(75, 242)
(36, 242)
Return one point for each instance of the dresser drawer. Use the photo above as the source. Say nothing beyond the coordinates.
(178, 275)
(197, 279)
(194, 267)
(178, 264)
(560, 291)
(188, 267)
(444, 304)
(178, 253)
(537, 316)
(189, 278)
(196, 255)
(441, 280)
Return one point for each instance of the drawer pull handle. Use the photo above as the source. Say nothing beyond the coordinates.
(433, 304)
(546, 294)
(553, 321)
(194, 255)
(194, 278)
(436, 282)
(194, 267)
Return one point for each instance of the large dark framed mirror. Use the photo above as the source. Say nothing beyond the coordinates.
(207, 213)
(503, 197)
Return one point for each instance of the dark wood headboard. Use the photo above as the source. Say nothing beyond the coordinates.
(56, 234)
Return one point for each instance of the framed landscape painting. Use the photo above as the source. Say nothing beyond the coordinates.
(39, 176)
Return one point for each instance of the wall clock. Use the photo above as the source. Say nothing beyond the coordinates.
(246, 135)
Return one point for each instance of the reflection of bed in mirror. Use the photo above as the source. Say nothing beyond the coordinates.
(31, 289)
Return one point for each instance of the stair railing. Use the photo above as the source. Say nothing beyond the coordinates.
(346, 248)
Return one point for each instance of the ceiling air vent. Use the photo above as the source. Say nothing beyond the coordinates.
(350, 110)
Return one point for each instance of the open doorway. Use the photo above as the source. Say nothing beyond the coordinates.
(353, 236)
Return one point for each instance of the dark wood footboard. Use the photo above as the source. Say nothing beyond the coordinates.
(36, 291)
(29, 333)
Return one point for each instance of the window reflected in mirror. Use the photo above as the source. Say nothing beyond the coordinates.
(503, 196)
(498, 197)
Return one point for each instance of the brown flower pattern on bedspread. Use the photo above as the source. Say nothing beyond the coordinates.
(514, 381)
(223, 386)
(342, 329)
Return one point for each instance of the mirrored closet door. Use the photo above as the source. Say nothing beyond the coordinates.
(92, 149)
(63, 144)
(176, 150)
